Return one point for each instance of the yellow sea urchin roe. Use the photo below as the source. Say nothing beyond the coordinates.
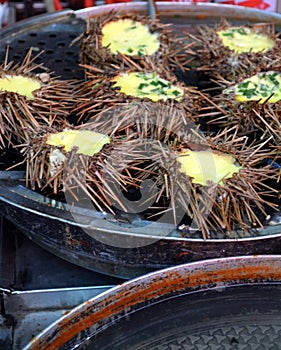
(205, 167)
(259, 88)
(23, 86)
(242, 40)
(147, 85)
(87, 142)
(130, 38)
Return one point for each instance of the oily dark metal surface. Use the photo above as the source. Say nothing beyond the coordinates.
(51, 225)
(182, 304)
(96, 240)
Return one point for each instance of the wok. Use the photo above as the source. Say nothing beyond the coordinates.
(230, 303)
(96, 240)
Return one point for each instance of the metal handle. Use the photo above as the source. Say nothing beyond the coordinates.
(152, 9)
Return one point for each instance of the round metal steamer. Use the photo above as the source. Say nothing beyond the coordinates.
(89, 244)
(230, 303)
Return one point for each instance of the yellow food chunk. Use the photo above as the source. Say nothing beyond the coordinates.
(23, 86)
(205, 167)
(129, 38)
(242, 40)
(259, 88)
(87, 142)
(147, 85)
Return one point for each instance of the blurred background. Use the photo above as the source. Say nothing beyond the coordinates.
(13, 11)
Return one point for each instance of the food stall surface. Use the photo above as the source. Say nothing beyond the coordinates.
(36, 287)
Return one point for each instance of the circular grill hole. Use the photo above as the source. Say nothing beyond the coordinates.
(69, 53)
(60, 44)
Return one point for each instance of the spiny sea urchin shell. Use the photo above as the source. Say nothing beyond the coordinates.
(237, 51)
(142, 120)
(222, 184)
(253, 104)
(30, 97)
(113, 40)
(70, 160)
(238, 186)
(132, 87)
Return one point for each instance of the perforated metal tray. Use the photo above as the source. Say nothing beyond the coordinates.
(50, 34)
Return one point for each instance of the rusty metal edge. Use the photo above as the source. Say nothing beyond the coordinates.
(200, 10)
(157, 286)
